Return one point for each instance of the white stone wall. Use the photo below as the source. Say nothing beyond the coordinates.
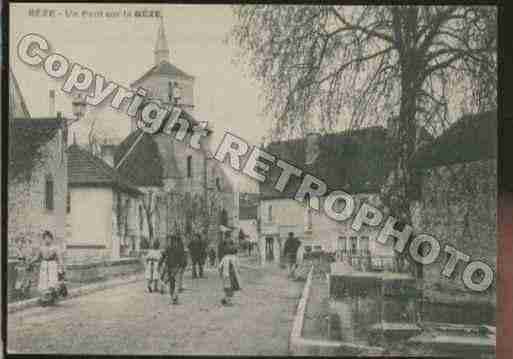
(91, 221)
(289, 215)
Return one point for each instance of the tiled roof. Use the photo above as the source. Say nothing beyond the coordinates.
(471, 138)
(39, 129)
(85, 169)
(164, 68)
(143, 165)
(353, 160)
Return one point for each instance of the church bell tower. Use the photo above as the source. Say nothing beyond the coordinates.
(161, 48)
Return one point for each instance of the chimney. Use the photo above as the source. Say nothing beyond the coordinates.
(312, 149)
(51, 103)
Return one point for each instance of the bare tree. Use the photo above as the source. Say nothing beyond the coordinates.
(361, 64)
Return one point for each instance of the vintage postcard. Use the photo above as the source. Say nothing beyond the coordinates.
(252, 179)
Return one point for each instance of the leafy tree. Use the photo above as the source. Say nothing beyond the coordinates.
(326, 65)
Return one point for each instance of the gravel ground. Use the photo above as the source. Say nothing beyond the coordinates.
(127, 320)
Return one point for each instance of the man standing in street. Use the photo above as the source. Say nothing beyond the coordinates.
(290, 249)
(198, 252)
(171, 264)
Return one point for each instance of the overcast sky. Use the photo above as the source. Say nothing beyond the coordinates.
(122, 50)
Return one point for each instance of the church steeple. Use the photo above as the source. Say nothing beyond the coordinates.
(161, 49)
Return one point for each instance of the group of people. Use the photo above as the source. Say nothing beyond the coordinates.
(51, 281)
(167, 267)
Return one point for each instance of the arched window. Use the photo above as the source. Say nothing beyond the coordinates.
(270, 214)
(189, 166)
(49, 193)
(218, 183)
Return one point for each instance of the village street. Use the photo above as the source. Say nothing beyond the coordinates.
(128, 320)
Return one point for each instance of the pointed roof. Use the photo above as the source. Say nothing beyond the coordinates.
(85, 169)
(16, 98)
(161, 43)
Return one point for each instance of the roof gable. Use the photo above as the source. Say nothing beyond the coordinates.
(143, 166)
(86, 169)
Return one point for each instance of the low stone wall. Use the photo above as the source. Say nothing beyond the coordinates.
(90, 272)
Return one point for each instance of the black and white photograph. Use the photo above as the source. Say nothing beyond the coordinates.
(251, 179)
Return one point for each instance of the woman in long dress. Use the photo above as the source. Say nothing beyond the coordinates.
(229, 270)
(51, 265)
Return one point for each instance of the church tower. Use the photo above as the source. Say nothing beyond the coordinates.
(164, 81)
(161, 50)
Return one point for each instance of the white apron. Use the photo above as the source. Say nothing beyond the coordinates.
(152, 262)
(48, 275)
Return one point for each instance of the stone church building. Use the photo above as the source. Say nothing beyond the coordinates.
(180, 182)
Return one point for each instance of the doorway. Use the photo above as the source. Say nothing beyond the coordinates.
(269, 249)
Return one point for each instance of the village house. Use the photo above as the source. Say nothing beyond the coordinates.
(102, 218)
(178, 181)
(458, 201)
(354, 161)
(351, 161)
(37, 176)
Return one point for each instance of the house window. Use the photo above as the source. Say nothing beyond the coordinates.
(341, 243)
(218, 183)
(354, 245)
(364, 245)
(49, 193)
(224, 217)
(189, 166)
(309, 218)
(270, 214)
(68, 202)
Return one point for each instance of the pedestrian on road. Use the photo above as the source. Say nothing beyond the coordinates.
(212, 257)
(229, 270)
(151, 270)
(290, 250)
(49, 255)
(198, 251)
(171, 263)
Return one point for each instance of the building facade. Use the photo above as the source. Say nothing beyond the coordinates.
(37, 179)
(111, 227)
(353, 161)
(186, 183)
